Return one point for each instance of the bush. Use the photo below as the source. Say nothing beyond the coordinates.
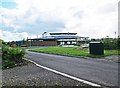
(119, 43)
(111, 44)
(12, 56)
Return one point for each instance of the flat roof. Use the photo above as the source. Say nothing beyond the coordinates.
(42, 39)
(57, 37)
(63, 33)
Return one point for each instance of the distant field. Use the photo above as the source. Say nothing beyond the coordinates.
(74, 51)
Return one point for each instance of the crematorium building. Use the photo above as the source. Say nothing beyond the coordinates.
(55, 39)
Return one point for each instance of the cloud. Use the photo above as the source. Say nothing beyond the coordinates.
(92, 18)
(10, 36)
(40, 26)
(94, 22)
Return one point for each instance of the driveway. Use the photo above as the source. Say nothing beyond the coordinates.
(98, 71)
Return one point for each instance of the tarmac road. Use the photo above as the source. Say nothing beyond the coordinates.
(101, 72)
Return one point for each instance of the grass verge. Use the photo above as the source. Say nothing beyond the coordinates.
(74, 51)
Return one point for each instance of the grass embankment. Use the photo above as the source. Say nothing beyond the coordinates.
(74, 51)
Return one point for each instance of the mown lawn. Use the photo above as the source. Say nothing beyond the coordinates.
(74, 51)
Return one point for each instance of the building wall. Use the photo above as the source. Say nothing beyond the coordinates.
(42, 43)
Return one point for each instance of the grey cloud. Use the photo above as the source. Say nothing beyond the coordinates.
(40, 26)
(79, 14)
(107, 8)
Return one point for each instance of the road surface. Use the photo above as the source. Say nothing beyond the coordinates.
(101, 72)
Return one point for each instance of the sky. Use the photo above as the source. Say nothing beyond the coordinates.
(20, 19)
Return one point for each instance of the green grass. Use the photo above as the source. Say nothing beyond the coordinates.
(74, 51)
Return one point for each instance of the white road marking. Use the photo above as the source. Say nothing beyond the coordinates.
(66, 75)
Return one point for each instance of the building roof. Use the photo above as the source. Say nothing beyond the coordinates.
(63, 33)
(56, 36)
(45, 38)
(65, 37)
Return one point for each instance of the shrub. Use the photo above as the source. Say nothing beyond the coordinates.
(111, 44)
(119, 43)
(12, 55)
